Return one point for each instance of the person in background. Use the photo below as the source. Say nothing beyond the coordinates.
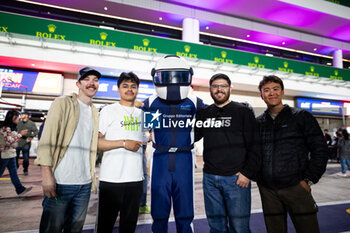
(327, 137)
(121, 138)
(231, 158)
(67, 156)
(9, 139)
(24, 143)
(294, 157)
(41, 128)
(344, 152)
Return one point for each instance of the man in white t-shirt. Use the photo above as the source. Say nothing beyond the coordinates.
(121, 138)
(67, 156)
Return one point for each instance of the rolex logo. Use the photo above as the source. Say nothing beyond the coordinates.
(187, 48)
(312, 68)
(103, 35)
(145, 42)
(256, 59)
(52, 28)
(223, 54)
(336, 72)
(285, 64)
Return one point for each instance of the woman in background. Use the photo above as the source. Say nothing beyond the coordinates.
(8, 143)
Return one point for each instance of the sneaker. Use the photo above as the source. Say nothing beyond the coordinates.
(341, 174)
(25, 173)
(25, 191)
(144, 209)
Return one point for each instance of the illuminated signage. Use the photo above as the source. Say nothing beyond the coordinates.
(317, 106)
(108, 89)
(31, 82)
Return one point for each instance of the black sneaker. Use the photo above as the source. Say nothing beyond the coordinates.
(25, 173)
(25, 191)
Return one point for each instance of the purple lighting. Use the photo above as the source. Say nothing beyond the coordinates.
(292, 16)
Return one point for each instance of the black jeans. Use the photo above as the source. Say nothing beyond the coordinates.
(115, 198)
(295, 200)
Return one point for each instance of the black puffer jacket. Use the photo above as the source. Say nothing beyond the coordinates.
(293, 148)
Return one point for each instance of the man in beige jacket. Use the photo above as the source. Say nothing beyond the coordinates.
(67, 155)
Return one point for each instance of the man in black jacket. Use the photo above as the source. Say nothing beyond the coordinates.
(231, 158)
(294, 156)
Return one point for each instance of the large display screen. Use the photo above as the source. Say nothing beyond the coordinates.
(108, 89)
(318, 106)
(31, 82)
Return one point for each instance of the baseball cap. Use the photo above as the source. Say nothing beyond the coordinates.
(87, 71)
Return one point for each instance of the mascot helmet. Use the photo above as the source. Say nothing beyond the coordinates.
(172, 77)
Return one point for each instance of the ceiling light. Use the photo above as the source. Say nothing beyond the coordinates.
(105, 8)
(207, 27)
(269, 54)
(48, 12)
(106, 27)
(328, 63)
(33, 64)
(283, 42)
(160, 18)
(248, 35)
(315, 49)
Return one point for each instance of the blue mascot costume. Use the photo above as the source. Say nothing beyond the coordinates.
(173, 142)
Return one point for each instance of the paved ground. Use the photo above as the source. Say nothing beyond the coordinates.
(23, 213)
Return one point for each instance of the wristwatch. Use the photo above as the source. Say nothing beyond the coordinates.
(309, 182)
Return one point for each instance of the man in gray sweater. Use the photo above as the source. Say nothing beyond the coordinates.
(25, 143)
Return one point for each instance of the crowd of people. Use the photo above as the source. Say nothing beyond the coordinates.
(283, 150)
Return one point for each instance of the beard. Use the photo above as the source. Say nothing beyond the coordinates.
(221, 100)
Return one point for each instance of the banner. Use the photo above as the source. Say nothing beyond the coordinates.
(62, 31)
(31, 82)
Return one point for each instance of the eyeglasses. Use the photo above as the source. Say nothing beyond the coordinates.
(222, 86)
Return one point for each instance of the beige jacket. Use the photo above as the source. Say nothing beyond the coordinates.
(62, 119)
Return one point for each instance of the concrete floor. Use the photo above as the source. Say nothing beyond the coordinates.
(23, 213)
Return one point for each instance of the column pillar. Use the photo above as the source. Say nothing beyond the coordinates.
(190, 30)
(338, 58)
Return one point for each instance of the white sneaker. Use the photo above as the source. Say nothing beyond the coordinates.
(341, 174)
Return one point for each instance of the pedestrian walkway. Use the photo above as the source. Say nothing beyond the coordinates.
(22, 214)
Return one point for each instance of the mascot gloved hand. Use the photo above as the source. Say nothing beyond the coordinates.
(173, 143)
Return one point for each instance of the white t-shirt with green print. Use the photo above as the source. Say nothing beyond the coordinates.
(121, 165)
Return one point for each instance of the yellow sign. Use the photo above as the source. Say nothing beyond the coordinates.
(103, 42)
(145, 43)
(285, 68)
(187, 52)
(312, 73)
(103, 35)
(51, 35)
(335, 76)
(256, 64)
(52, 28)
(3, 29)
(223, 59)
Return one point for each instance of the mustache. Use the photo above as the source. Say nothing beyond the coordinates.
(220, 92)
(93, 86)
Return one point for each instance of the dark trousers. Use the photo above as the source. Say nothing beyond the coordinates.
(25, 152)
(295, 201)
(115, 198)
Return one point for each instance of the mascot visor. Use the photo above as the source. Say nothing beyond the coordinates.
(179, 77)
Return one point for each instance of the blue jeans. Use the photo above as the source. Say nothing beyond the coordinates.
(11, 166)
(227, 205)
(25, 153)
(68, 212)
(344, 163)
